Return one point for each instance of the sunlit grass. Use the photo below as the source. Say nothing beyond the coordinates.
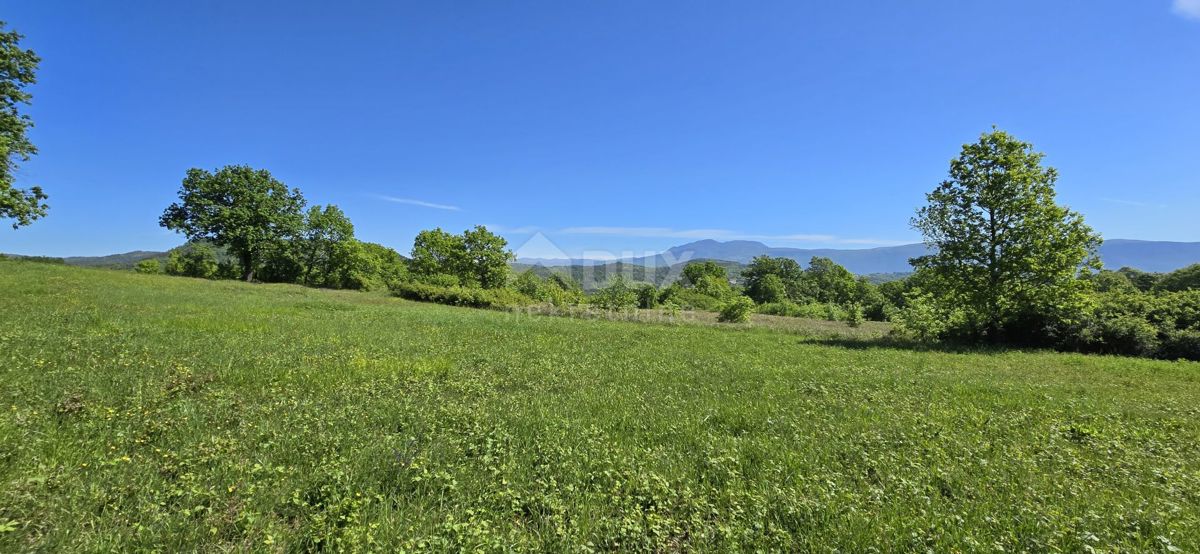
(146, 412)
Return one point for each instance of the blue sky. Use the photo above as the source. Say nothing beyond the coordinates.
(624, 126)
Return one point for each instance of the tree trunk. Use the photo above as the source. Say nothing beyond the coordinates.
(247, 267)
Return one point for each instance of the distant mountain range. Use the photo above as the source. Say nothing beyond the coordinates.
(1146, 255)
(1156, 256)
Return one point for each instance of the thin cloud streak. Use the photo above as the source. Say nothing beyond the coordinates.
(413, 202)
(1133, 203)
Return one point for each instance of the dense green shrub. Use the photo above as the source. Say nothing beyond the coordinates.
(1180, 344)
(736, 310)
(854, 315)
(556, 289)
(472, 297)
(437, 280)
(149, 267)
(617, 295)
(197, 261)
(647, 296)
(807, 311)
(1123, 334)
(689, 299)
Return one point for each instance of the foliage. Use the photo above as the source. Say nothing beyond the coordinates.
(198, 261)
(830, 282)
(769, 279)
(1187, 278)
(736, 310)
(149, 266)
(647, 296)
(689, 298)
(854, 315)
(245, 210)
(697, 273)
(617, 295)
(478, 257)
(555, 289)
(471, 297)
(1005, 252)
(487, 256)
(326, 247)
(149, 413)
(18, 69)
(438, 279)
(925, 319)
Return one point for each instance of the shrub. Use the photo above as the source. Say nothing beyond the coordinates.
(461, 296)
(197, 261)
(736, 310)
(923, 319)
(647, 296)
(443, 280)
(1181, 344)
(149, 267)
(808, 311)
(854, 315)
(1122, 334)
(618, 295)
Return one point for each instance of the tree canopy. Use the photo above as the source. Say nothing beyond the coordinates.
(1004, 250)
(243, 209)
(18, 68)
(476, 258)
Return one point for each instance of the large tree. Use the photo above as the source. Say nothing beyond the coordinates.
(765, 275)
(245, 210)
(438, 252)
(326, 244)
(1004, 252)
(488, 257)
(17, 70)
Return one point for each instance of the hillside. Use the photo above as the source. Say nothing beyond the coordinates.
(171, 414)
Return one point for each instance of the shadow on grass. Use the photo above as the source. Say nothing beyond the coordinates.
(896, 343)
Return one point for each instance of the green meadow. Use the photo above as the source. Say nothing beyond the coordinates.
(144, 412)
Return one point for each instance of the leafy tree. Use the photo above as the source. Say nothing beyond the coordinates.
(695, 272)
(765, 275)
(1005, 252)
(1143, 280)
(390, 266)
(1187, 278)
(326, 246)
(18, 70)
(830, 282)
(1112, 281)
(487, 257)
(243, 209)
(438, 252)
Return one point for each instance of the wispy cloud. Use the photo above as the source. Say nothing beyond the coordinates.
(414, 202)
(1133, 203)
(1187, 8)
(719, 234)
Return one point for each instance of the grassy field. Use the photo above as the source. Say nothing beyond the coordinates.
(147, 412)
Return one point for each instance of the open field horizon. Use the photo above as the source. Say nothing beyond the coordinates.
(152, 412)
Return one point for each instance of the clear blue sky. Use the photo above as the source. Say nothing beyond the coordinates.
(619, 126)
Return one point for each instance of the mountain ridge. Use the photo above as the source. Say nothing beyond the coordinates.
(1153, 256)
